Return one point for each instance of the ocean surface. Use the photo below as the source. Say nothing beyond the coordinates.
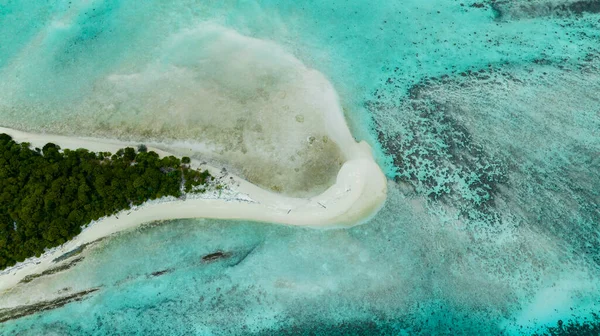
(485, 117)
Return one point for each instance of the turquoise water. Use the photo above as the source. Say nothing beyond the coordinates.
(486, 121)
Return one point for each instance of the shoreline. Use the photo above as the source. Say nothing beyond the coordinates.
(358, 193)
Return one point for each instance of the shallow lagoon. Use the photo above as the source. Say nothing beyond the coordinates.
(486, 120)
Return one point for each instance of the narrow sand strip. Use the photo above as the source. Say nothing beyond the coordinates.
(359, 192)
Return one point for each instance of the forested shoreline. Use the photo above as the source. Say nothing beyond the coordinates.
(48, 194)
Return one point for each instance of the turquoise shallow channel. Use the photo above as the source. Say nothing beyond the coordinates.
(485, 117)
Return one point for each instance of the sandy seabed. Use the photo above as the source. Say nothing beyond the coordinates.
(358, 193)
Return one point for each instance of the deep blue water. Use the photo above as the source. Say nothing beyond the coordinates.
(485, 118)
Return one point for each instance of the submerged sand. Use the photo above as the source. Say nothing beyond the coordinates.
(248, 104)
(207, 92)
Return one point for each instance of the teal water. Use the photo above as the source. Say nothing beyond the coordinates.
(486, 120)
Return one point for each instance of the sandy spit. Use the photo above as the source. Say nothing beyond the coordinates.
(359, 192)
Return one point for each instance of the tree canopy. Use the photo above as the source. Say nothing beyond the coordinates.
(48, 194)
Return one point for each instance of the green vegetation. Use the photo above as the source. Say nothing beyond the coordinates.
(47, 195)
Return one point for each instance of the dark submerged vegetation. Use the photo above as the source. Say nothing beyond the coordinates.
(48, 194)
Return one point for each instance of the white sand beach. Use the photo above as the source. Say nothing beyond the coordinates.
(359, 192)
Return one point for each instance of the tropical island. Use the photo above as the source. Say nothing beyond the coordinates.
(173, 189)
(47, 195)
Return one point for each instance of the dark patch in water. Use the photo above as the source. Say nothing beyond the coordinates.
(520, 9)
(342, 329)
(70, 254)
(21, 311)
(234, 258)
(216, 256)
(434, 149)
(76, 250)
(574, 328)
(53, 270)
(159, 273)
(555, 195)
(442, 322)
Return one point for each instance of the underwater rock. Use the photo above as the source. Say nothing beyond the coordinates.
(159, 273)
(21, 311)
(70, 254)
(54, 270)
(216, 256)
(75, 251)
